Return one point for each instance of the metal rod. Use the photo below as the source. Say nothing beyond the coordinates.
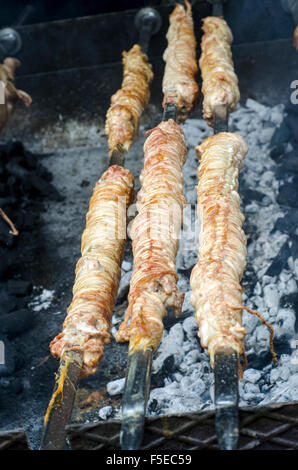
(221, 119)
(170, 112)
(60, 408)
(117, 158)
(148, 22)
(135, 398)
(217, 7)
(226, 398)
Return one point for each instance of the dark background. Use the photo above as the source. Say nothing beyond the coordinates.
(250, 20)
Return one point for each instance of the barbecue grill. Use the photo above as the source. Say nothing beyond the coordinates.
(75, 90)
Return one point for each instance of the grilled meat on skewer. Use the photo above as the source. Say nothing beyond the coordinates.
(87, 325)
(179, 85)
(128, 103)
(220, 83)
(154, 233)
(215, 279)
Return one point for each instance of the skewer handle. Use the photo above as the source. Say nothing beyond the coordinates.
(226, 398)
(60, 407)
(148, 22)
(135, 398)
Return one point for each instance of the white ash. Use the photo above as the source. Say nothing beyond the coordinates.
(42, 299)
(115, 387)
(181, 375)
(105, 412)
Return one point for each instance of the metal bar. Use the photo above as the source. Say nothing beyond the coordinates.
(148, 22)
(60, 408)
(226, 398)
(217, 7)
(117, 158)
(170, 112)
(135, 398)
(221, 119)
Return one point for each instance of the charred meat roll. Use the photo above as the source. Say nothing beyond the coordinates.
(155, 234)
(215, 279)
(179, 85)
(128, 103)
(220, 83)
(86, 328)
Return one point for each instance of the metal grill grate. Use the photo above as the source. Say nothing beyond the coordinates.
(274, 427)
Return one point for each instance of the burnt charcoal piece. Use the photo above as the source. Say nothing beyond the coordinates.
(288, 195)
(292, 122)
(2, 167)
(2, 189)
(6, 238)
(8, 201)
(280, 262)
(29, 160)
(5, 262)
(44, 188)
(18, 171)
(282, 134)
(15, 148)
(293, 244)
(288, 164)
(44, 173)
(12, 386)
(278, 152)
(289, 301)
(288, 223)
(8, 302)
(7, 357)
(249, 195)
(249, 280)
(19, 287)
(153, 407)
(167, 368)
(16, 323)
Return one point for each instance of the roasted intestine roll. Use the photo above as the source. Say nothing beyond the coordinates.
(155, 233)
(220, 83)
(11, 93)
(179, 85)
(215, 279)
(86, 328)
(128, 103)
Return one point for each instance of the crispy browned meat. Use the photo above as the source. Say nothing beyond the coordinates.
(220, 83)
(128, 103)
(12, 94)
(154, 233)
(87, 325)
(216, 292)
(179, 85)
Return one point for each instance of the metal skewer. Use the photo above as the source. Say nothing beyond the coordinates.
(60, 408)
(226, 360)
(148, 22)
(137, 384)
